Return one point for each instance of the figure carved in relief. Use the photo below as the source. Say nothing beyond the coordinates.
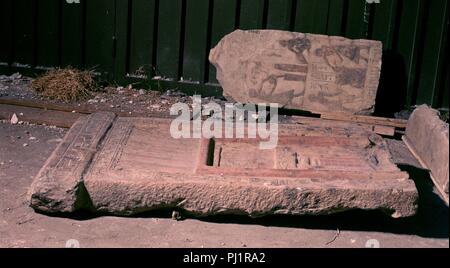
(335, 58)
(265, 84)
(298, 46)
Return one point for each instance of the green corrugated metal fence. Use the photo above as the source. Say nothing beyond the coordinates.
(132, 39)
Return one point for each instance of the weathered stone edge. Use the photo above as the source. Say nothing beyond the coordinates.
(428, 139)
(120, 197)
(58, 187)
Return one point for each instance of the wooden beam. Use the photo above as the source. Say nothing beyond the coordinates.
(39, 116)
(320, 122)
(82, 109)
(380, 121)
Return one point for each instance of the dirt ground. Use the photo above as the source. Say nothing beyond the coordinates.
(24, 148)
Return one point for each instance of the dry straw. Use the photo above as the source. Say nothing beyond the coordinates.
(66, 84)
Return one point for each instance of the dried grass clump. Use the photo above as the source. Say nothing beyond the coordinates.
(65, 84)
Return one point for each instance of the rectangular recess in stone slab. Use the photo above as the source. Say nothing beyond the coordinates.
(136, 166)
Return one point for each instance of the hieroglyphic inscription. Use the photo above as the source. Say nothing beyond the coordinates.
(72, 158)
(299, 71)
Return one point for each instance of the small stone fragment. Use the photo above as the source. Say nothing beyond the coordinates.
(14, 120)
(176, 216)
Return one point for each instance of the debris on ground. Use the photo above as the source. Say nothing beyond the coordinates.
(404, 114)
(176, 216)
(338, 233)
(65, 84)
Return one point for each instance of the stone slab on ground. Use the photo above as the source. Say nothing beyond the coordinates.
(427, 137)
(137, 167)
(21, 226)
(59, 185)
(299, 71)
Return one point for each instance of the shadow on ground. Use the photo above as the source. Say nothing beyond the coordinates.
(432, 220)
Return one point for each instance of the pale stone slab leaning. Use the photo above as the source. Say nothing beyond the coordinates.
(427, 138)
(299, 71)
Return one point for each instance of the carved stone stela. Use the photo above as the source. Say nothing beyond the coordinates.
(299, 71)
(126, 166)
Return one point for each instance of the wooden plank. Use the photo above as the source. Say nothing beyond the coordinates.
(100, 36)
(355, 24)
(407, 41)
(384, 22)
(6, 31)
(223, 23)
(391, 96)
(142, 36)
(48, 33)
(39, 116)
(251, 14)
(279, 15)
(433, 56)
(45, 105)
(121, 40)
(169, 39)
(24, 33)
(86, 109)
(384, 130)
(195, 56)
(366, 119)
(422, 69)
(335, 24)
(72, 34)
(444, 94)
(71, 108)
(378, 129)
(310, 16)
